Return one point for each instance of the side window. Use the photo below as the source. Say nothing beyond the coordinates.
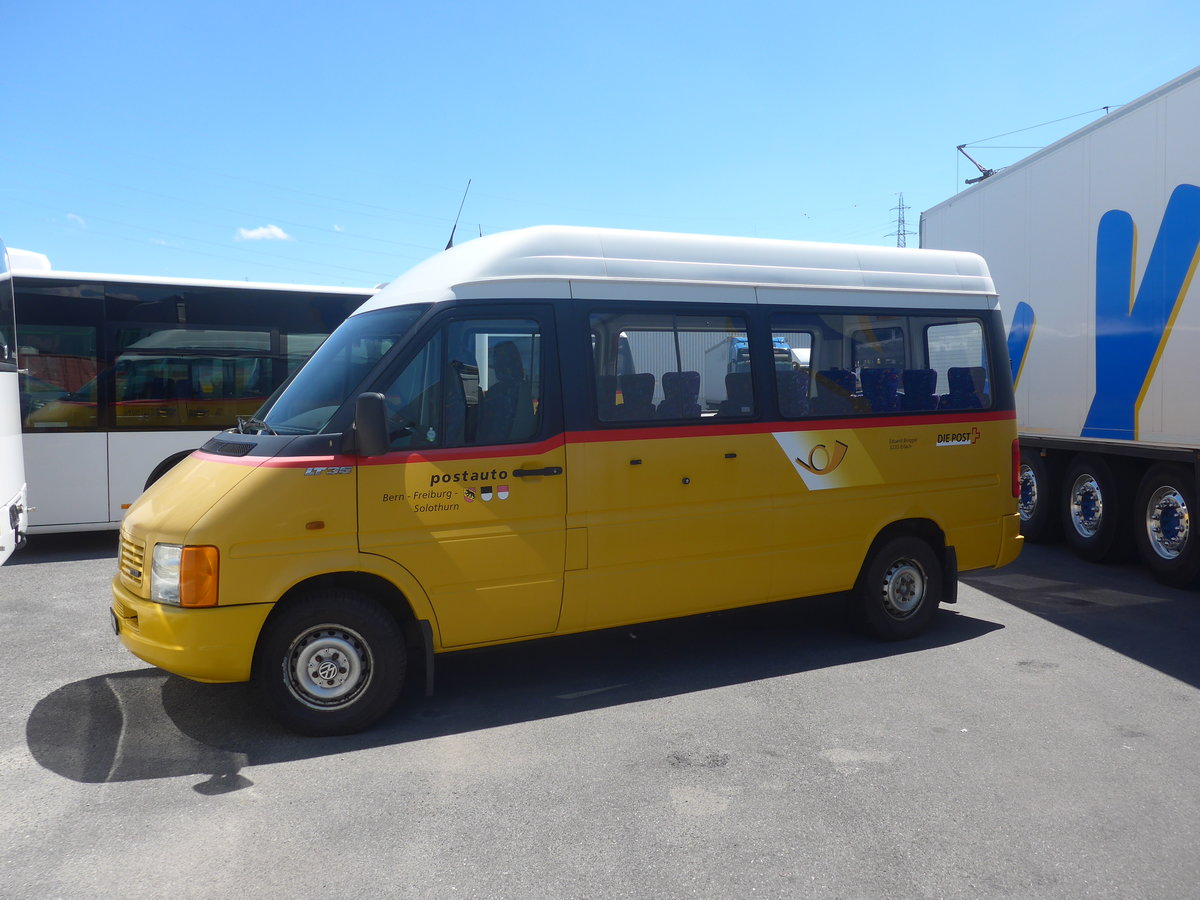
(792, 345)
(186, 377)
(877, 346)
(476, 381)
(956, 350)
(59, 389)
(854, 364)
(830, 354)
(172, 370)
(664, 367)
(8, 322)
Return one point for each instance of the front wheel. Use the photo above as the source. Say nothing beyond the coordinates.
(1167, 538)
(331, 662)
(899, 588)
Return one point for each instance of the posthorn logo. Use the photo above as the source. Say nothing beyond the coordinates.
(958, 438)
(822, 461)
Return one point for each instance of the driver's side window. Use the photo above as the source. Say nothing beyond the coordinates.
(476, 381)
(415, 402)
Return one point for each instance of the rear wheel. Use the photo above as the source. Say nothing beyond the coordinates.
(1097, 510)
(1038, 488)
(1167, 538)
(331, 662)
(899, 588)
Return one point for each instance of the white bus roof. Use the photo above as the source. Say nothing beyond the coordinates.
(52, 274)
(553, 261)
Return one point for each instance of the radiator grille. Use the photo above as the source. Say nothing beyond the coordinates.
(132, 562)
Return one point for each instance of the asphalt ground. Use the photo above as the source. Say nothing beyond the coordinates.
(1040, 741)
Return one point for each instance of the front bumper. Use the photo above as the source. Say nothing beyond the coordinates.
(214, 644)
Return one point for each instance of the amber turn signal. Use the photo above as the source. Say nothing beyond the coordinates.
(198, 570)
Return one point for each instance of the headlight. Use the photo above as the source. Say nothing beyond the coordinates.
(184, 576)
(164, 573)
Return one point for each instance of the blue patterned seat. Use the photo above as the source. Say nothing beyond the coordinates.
(880, 388)
(792, 385)
(964, 393)
(637, 397)
(919, 388)
(680, 390)
(739, 395)
(835, 392)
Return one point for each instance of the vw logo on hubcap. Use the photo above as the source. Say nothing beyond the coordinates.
(327, 671)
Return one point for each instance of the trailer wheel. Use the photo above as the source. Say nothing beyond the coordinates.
(899, 588)
(1167, 538)
(1038, 484)
(1097, 510)
(331, 662)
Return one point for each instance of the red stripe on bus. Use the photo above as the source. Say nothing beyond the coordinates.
(594, 436)
(660, 432)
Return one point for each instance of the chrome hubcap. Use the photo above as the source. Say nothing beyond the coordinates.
(328, 666)
(1167, 522)
(1087, 506)
(1027, 500)
(903, 588)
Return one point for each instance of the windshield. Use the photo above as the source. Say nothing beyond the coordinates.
(325, 382)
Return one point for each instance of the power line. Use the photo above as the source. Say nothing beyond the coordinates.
(1103, 109)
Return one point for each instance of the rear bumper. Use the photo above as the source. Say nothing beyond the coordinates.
(215, 644)
(1011, 540)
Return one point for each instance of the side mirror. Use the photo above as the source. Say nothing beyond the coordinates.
(370, 425)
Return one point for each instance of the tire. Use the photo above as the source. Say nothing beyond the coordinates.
(331, 662)
(1097, 510)
(1167, 539)
(899, 588)
(1038, 481)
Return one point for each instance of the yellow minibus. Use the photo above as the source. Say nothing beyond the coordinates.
(559, 429)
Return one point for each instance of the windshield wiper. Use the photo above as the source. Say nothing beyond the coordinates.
(252, 422)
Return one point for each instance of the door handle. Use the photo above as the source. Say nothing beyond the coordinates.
(529, 473)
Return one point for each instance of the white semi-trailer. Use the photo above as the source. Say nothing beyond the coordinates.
(1093, 244)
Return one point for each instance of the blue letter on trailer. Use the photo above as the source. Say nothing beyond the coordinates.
(1131, 332)
(1020, 333)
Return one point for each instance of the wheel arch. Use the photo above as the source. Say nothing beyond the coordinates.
(418, 632)
(932, 534)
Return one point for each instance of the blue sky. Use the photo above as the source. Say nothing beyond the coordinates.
(330, 143)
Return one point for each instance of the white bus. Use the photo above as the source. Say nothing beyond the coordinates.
(12, 469)
(124, 375)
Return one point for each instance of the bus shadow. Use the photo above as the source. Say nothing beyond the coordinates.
(145, 724)
(43, 548)
(1118, 606)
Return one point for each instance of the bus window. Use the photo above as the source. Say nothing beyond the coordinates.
(476, 381)
(671, 367)
(956, 350)
(877, 346)
(860, 364)
(59, 390)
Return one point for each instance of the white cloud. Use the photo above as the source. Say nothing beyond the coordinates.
(78, 220)
(338, 228)
(265, 233)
